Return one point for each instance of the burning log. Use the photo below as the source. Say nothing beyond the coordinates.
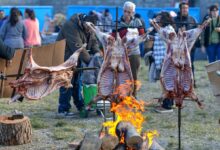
(127, 131)
(109, 142)
(120, 147)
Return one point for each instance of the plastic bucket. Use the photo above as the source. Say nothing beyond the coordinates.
(89, 92)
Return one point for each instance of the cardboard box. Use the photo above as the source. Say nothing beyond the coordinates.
(213, 77)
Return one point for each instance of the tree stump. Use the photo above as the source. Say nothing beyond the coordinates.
(15, 131)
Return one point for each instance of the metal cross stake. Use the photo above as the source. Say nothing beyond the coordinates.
(116, 31)
(179, 128)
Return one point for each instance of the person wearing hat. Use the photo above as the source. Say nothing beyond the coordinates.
(76, 34)
(211, 39)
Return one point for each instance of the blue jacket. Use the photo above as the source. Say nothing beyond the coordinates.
(13, 36)
(5, 51)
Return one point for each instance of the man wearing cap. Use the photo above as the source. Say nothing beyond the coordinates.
(76, 34)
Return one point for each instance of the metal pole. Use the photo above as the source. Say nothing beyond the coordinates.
(116, 31)
(20, 67)
(179, 128)
(116, 25)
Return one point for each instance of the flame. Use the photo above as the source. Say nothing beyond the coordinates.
(128, 109)
(150, 135)
(122, 140)
(127, 87)
(137, 84)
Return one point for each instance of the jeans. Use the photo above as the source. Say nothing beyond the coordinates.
(75, 92)
(192, 56)
(135, 61)
(152, 72)
(142, 49)
(213, 52)
(167, 103)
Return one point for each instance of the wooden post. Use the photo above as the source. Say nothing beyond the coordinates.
(15, 132)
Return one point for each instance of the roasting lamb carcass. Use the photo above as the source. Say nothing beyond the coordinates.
(176, 74)
(39, 81)
(115, 76)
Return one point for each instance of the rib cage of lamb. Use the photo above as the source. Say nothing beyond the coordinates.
(39, 81)
(115, 76)
(176, 74)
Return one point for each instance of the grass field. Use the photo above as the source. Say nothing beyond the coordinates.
(200, 128)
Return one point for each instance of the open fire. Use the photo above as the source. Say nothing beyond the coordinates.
(128, 123)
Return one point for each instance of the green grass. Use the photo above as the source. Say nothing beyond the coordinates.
(38, 123)
(60, 123)
(200, 128)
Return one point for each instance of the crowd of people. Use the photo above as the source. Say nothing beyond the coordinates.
(17, 32)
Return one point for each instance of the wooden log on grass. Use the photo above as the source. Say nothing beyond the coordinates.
(15, 130)
(131, 138)
(90, 142)
(109, 142)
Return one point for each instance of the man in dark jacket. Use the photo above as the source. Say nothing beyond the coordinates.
(5, 51)
(211, 38)
(76, 34)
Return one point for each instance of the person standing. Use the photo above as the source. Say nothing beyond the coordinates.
(126, 23)
(184, 20)
(166, 21)
(76, 33)
(106, 20)
(32, 25)
(211, 39)
(13, 31)
(2, 17)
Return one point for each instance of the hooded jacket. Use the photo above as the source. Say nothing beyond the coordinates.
(76, 36)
